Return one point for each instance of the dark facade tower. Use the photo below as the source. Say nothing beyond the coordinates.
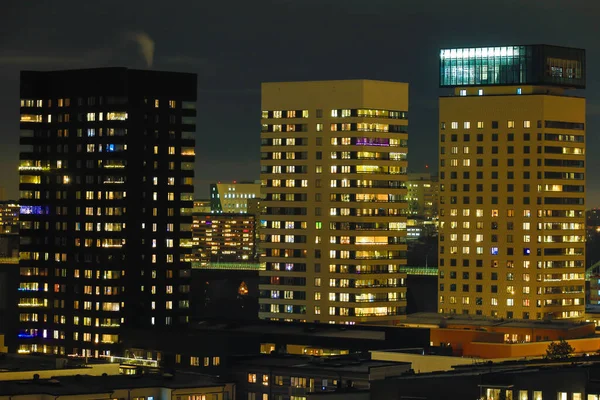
(106, 171)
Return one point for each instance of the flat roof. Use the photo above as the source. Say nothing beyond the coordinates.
(337, 364)
(507, 367)
(85, 384)
(27, 362)
(321, 330)
(480, 321)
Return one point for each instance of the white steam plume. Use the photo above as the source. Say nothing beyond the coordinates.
(146, 45)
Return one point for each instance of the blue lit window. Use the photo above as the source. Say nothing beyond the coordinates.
(36, 210)
(526, 251)
(494, 251)
(110, 147)
(518, 90)
(289, 309)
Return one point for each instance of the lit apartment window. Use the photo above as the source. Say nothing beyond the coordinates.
(454, 125)
(480, 92)
(467, 125)
(251, 378)
(463, 92)
(511, 124)
(479, 124)
(526, 124)
(172, 104)
(195, 361)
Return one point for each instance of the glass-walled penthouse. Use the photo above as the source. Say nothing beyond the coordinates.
(541, 65)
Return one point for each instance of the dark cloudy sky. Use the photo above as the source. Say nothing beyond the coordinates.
(235, 45)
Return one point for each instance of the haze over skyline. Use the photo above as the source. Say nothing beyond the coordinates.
(282, 40)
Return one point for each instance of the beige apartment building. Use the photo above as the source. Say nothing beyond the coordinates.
(333, 173)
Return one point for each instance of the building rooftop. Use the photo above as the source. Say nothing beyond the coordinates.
(442, 320)
(85, 384)
(321, 330)
(21, 363)
(509, 367)
(349, 363)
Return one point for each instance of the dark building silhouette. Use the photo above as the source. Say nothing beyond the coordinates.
(106, 183)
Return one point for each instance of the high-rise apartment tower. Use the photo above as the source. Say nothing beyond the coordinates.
(106, 170)
(512, 182)
(333, 170)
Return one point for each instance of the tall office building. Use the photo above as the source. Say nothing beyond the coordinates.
(423, 195)
(106, 170)
(333, 168)
(224, 239)
(512, 181)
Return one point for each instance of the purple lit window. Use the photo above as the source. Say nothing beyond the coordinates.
(372, 142)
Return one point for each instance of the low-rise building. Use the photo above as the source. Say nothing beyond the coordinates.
(488, 338)
(295, 377)
(122, 387)
(210, 345)
(17, 367)
(537, 380)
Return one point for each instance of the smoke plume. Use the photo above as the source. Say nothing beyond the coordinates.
(145, 44)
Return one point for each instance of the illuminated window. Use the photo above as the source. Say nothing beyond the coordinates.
(511, 124)
(454, 125)
(526, 124)
(467, 125)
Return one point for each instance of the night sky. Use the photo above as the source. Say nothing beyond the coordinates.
(233, 46)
